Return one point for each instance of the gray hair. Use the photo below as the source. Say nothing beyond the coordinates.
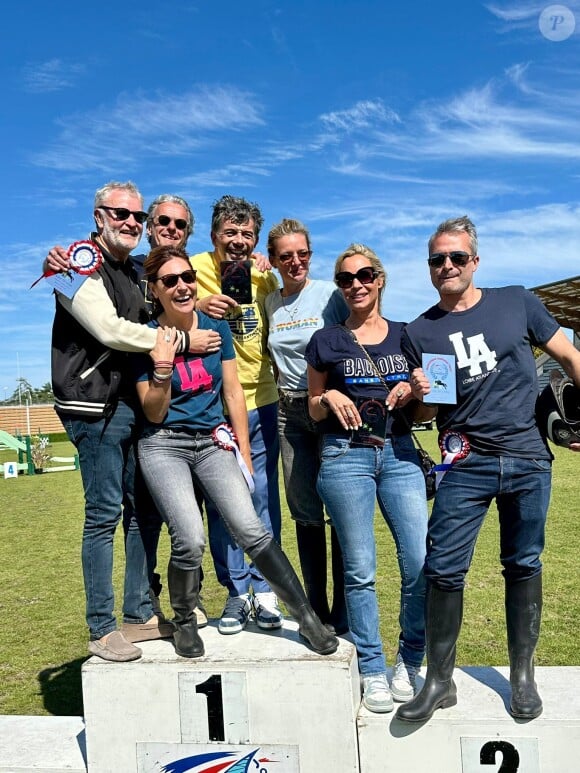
(101, 194)
(237, 210)
(457, 225)
(366, 252)
(171, 199)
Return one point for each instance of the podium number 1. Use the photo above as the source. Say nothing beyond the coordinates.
(214, 707)
(212, 689)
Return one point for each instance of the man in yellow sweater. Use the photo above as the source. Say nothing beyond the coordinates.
(235, 230)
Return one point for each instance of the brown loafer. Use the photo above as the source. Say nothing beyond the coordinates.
(114, 646)
(152, 629)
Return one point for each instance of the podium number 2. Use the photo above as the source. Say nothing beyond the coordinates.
(510, 759)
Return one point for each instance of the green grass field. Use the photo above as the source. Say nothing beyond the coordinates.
(43, 636)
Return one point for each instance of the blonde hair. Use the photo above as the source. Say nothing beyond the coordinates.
(370, 255)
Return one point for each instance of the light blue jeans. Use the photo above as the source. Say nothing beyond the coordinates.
(232, 569)
(351, 480)
(171, 461)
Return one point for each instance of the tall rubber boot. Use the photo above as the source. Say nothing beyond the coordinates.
(338, 615)
(311, 541)
(183, 592)
(279, 574)
(444, 612)
(523, 612)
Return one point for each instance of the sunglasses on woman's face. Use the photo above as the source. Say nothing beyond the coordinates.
(366, 276)
(171, 280)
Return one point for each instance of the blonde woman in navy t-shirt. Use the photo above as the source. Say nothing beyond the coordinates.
(357, 376)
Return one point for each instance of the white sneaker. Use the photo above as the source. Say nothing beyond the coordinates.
(268, 613)
(403, 681)
(236, 613)
(376, 694)
(200, 614)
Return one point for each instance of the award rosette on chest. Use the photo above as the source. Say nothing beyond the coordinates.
(224, 437)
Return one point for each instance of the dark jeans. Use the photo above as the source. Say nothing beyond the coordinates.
(521, 489)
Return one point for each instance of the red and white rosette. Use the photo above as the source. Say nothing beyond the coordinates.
(224, 437)
(453, 446)
(85, 257)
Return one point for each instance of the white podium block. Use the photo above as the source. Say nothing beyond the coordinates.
(42, 744)
(478, 735)
(254, 689)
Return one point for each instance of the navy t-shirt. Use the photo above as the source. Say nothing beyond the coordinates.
(496, 377)
(335, 351)
(196, 383)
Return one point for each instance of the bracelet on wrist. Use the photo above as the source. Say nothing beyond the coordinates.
(159, 378)
(163, 364)
(323, 401)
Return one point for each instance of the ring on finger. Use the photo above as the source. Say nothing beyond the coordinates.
(400, 393)
(168, 338)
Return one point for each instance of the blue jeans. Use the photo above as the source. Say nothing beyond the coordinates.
(300, 453)
(521, 488)
(350, 481)
(231, 568)
(107, 463)
(172, 461)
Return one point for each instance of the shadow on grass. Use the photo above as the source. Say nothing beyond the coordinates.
(61, 689)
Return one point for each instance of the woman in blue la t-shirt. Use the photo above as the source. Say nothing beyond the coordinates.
(357, 375)
(187, 441)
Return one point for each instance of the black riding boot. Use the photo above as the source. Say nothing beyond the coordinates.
(523, 612)
(279, 574)
(338, 615)
(444, 612)
(183, 594)
(311, 541)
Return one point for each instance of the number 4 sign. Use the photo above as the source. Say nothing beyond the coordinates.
(10, 470)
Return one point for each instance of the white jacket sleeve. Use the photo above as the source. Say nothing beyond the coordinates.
(92, 307)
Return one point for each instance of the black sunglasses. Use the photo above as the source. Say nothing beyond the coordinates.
(121, 213)
(365, 276)
(171, 280)
(164, 220)
(458, 258)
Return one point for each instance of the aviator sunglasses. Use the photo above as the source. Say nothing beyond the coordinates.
(171, 280)
(165, 220)
(122, 213)
(365, 276)
(458, 258)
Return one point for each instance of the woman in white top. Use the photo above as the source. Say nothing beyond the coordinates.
(302, 306)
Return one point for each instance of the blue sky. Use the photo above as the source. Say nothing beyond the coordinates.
(369, 121)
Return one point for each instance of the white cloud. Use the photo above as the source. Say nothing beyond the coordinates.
(53, 75)
(363, 115)
(122, 134)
